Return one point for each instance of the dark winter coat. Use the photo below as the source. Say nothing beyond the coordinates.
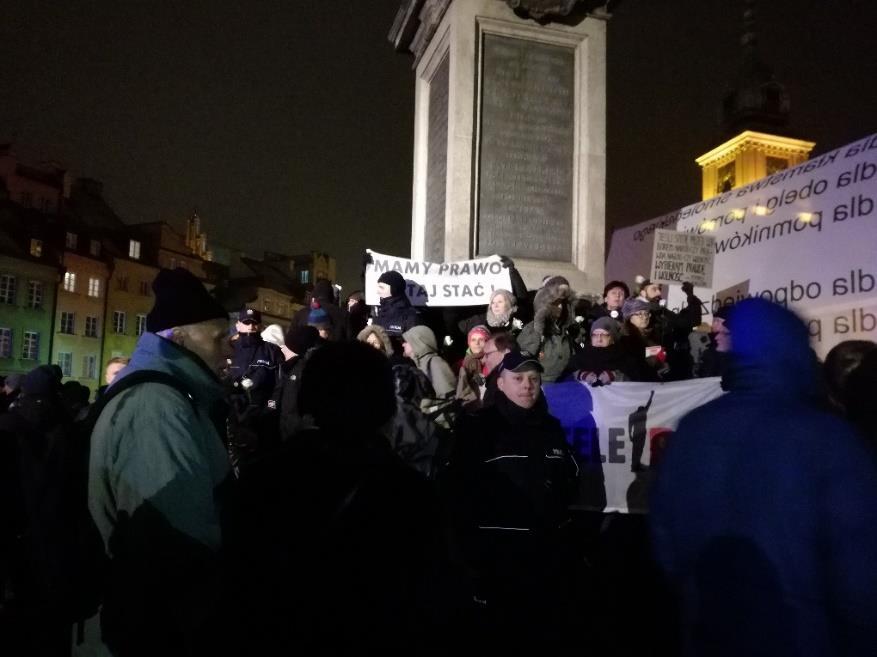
(323, 297)
(763, 514)
(258, 361)
(396, 315)
(612, 359)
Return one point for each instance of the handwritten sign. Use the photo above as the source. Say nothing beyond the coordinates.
(680, 257)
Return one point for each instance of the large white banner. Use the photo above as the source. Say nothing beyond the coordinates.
(462, 283)
(617, 434)
(805, 237)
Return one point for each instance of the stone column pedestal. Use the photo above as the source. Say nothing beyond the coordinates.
(510, 136)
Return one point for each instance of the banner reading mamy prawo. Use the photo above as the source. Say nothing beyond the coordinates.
(462, 283)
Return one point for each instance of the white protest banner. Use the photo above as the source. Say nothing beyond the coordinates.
(617, 433)
(462, 283)
(806, 238)
(680, 257)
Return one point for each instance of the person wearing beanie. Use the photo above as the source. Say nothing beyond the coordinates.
(157, 471)
(320, 320)
(614, 295)
(639, 341)
(470, 380)
(323, 296)
(395, 314)
(299, 343)
(604, 360)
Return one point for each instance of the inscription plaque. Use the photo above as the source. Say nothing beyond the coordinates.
(436, 165)
(526, 159)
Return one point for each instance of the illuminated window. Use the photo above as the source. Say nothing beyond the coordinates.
(134, 249)
(65, 362)
(35, 294)
(89, 367)
(71, 241)
(94, 248)
(304, 276)
(726, 178)
(70, 281)
(36, 248)
(141, 325)
(774, 164)
(5, 343)
(7, 288)
(93, 287)
(119, 321)
(68, 322)
(30, 349)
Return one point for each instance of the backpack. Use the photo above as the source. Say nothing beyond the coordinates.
(88, 563)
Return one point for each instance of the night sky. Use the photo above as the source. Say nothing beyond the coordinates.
(289, 125)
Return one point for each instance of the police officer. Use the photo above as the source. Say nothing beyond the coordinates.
(253, 375)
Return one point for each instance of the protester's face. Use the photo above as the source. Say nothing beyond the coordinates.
(652, 291)
(556, 308)
(352, 301)
(247, 326)
(640, 319)
(384, 290)
(601, 338)
(614, 298)
(207, 340)
(499, 305)
(407, 350)
(476, 343)
(375, 342)
(324, 332)
(112, 370)
(722, 334)
(521, 388)
(492, 357)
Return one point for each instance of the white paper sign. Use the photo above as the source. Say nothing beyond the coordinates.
(462, 283)
(680, 257)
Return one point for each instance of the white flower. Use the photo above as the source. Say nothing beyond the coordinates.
(580, 319)
(517, 324)
(448, 340)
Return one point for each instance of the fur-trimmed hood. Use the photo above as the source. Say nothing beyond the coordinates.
(545, 297)
(374, 329)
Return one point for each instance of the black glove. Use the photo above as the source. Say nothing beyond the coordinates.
(688, 288)
(506, 261)
(367, 259)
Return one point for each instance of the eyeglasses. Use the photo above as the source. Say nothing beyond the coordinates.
(600, 334)
(642, 314)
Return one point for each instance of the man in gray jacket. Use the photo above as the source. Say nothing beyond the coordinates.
(156, 476)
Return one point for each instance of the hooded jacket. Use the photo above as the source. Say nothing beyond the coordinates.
(552, 341)
(155, 492)
(380, 333)
(763, 513)
(428, 361)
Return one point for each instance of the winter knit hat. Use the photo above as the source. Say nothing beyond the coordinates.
(479, 330)
(273, 333)
(181, 299)
(395, 280)
(609, 325)
(633, 306)
(41, 381)
(300, 339)
(319, 318)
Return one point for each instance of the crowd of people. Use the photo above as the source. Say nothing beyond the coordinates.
(389, 480)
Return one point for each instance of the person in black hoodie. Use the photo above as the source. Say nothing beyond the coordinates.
(510, 479)
(299, 343)
(323, 296)
(395, 314)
